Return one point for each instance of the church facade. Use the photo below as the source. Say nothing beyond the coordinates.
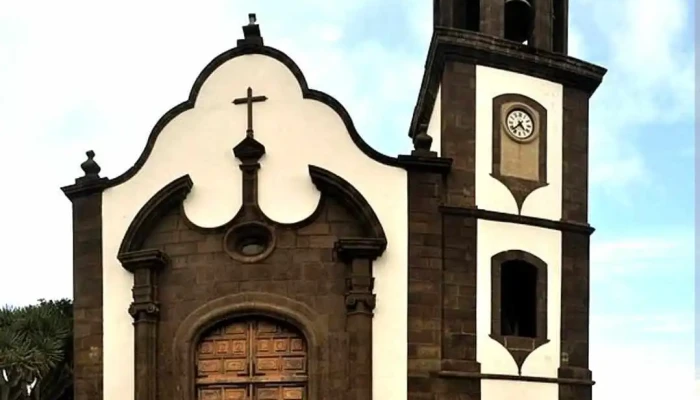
(260, 249)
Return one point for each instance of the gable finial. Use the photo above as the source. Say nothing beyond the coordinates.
(89, 183)
(422, 142)
(251, 33)
(90, 166)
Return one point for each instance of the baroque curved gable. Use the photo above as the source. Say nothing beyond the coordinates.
(210, 69)
(299, 126)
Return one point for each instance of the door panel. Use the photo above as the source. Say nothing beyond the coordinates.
(255, 359)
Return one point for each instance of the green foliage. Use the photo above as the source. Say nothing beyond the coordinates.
(36, 349)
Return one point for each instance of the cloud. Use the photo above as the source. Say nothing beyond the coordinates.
(650, 59)
(650, 371)
(642, 356)
(622, 256)
(675, 323)
(642, 322)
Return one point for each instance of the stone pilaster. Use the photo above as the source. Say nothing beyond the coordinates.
(145, 265)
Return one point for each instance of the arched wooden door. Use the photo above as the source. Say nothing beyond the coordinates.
(252, 359)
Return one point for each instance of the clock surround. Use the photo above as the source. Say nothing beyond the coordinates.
(520, 165)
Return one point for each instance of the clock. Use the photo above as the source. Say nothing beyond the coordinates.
(519, 125)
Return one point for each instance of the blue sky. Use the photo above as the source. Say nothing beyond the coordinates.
(76, 75)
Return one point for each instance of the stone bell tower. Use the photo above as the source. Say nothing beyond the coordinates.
(499, 259)
(543, 24)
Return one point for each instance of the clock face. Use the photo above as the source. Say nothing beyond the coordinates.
(519, 124)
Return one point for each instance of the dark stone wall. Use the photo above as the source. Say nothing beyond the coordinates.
(575, 263)
(87, 296)
(442, 252)
(458, 130)
(303, 267)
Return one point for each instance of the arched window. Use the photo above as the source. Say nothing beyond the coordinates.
(471, 15)
(518, 302)
(252, 359)
(518, 299)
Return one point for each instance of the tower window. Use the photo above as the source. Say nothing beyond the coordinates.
(560, 26)
(519, 19)
(457, 14)
(472, 15)
(518, 302)
(518, 299)
(436, 13)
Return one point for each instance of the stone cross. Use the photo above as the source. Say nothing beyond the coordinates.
(249, 100)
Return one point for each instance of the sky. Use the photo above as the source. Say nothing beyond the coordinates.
(79, 75)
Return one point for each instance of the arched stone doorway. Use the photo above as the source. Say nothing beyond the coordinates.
(252, 359)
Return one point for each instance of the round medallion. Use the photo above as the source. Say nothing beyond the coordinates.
(519, 124)
(249, 242)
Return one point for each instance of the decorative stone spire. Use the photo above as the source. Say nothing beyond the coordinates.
(422, 142)
(90, 166)
(251, 33)
(89, 183)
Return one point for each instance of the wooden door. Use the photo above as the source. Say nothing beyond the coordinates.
(253, 359)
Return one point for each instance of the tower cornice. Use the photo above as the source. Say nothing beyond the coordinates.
(449, 44)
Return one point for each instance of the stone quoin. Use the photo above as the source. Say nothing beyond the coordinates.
(260, 249)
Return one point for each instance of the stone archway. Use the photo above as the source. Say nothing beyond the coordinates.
(252, 358)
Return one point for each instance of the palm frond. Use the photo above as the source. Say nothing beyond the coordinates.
(36, 346)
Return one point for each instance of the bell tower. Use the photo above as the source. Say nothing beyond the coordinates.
(543, 24)
(498, 292)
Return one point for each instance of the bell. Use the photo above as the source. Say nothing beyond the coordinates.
(518, 20)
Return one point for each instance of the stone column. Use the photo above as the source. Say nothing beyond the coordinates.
(145, 264)
(492, 15)
(575, 251)
(543, 33)
(560, 24)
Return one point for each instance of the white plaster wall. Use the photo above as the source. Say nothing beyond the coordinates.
(199, 142)
(506, 390)
(493, 238)
(435, 123)
(490, 193)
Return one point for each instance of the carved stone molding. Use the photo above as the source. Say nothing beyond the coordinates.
(144, 311)
(249, 242)
(349, 249)
(480, 213)
(139, 259)
(145, 264)
(333, 185)
(358, 254)
(476, 48)
(171, 195)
